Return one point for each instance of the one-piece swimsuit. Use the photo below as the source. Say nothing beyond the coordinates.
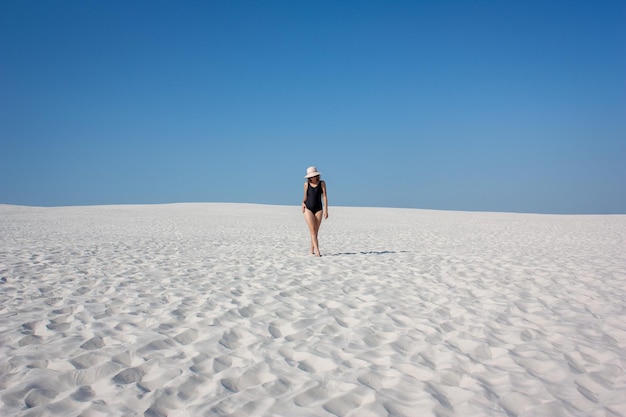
(314, 198)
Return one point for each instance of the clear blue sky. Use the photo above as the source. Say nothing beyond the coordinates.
(460, 105)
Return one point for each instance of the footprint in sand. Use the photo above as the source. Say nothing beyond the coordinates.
(94, 343)
(33, 328)
(58, 327)
(186, 337)
(94, 374)
(234, 339)
(341, 406)
(129, 376)
(317, 364)
(37, 397)
(30, 340)
(594, 388)
(373, 380)
(312, 396)
(83, 394)
(87, 360)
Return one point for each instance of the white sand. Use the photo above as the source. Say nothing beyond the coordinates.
(218, 309)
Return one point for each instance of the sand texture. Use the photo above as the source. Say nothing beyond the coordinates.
(219, 310)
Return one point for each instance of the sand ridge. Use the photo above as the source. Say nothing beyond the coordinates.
(217, 309)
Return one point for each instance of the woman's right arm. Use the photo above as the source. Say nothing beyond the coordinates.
(304, 198)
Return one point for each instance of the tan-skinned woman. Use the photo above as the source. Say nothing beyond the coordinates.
(313, 207)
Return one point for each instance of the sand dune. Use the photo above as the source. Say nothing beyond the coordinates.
(218, 309)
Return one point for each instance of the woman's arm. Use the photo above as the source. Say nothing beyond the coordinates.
(304, 198)
(325, 197)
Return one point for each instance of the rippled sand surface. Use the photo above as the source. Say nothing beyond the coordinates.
(218, 309)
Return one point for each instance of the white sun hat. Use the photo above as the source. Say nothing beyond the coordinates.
(312, 172)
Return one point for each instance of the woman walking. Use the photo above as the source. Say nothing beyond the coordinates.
(312, 207)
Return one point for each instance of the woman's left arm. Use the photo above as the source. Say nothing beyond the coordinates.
(325, 196)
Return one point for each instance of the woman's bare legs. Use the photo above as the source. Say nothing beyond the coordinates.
(318, 222)
(314, 221)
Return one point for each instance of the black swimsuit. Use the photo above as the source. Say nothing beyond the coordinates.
(314, 198)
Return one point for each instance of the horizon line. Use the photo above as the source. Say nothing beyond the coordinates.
(52, 206)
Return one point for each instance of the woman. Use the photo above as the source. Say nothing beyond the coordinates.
(312, 207)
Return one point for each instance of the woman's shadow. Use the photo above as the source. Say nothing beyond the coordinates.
(373, 252)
